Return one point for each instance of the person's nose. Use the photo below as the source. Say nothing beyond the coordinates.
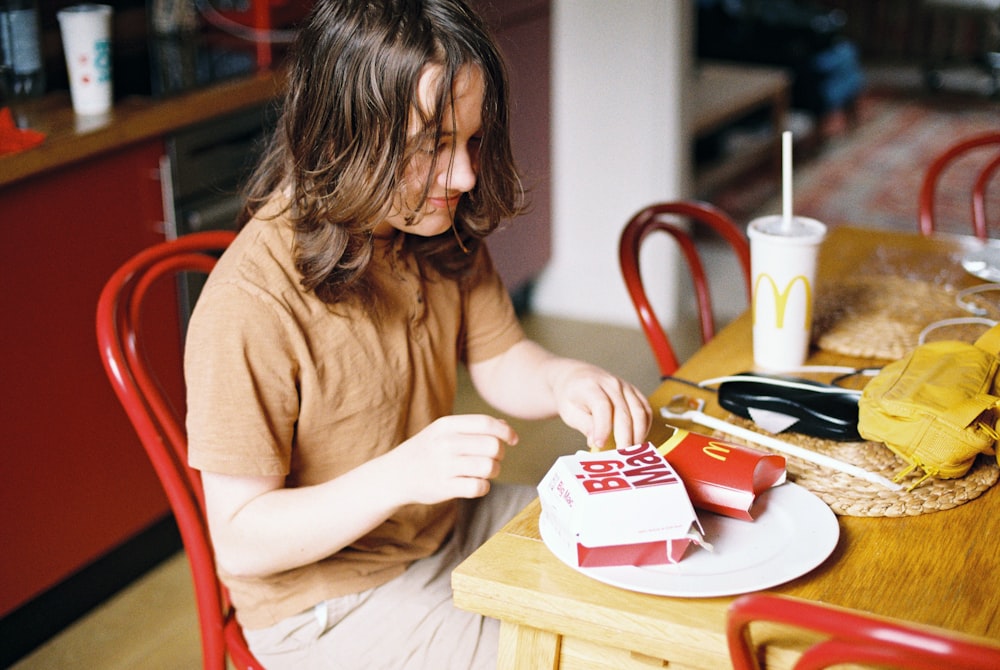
(461, 176)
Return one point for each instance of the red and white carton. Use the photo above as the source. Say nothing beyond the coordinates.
(622, 507)
(720, 476)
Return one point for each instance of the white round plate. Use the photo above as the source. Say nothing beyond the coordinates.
(793, 533)
(983, 263)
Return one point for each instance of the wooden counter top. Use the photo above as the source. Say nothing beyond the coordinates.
(71, 138)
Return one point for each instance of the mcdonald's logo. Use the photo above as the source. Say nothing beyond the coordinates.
(716, 450)
(781, 298)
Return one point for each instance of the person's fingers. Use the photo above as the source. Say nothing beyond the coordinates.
(477, 424)
(632, 418)
(611, 408)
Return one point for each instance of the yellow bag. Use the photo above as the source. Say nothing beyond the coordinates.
(937, 406)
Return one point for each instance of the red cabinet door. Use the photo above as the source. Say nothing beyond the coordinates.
(76, 482)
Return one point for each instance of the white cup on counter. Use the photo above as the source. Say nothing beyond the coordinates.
(86, 38)
(783, 267)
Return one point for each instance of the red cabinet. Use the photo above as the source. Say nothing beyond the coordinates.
(76, 482)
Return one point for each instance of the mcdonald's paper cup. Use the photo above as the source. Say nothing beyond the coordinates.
(86, 37)
(783, 265)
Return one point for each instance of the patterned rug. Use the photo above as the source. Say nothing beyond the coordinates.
(870, 174)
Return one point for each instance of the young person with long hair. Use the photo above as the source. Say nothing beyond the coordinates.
(322, 355)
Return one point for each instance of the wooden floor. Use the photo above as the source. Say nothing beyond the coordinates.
(152, 625)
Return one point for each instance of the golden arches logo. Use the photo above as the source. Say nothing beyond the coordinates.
(781, 298)
(717, 450)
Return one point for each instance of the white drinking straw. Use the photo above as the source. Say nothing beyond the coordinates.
(809, 455)
(786, 180)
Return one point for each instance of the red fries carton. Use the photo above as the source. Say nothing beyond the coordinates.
(620, 507)
(722, 477)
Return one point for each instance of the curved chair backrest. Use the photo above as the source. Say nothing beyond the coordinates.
(850, 636)
(929, 186)
(161, 430)
(658, 217)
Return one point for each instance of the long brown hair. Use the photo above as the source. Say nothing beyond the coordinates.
(341, 144)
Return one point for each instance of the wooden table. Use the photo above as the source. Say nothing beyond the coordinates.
(937, 569)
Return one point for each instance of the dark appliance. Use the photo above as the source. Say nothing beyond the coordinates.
(201, 176)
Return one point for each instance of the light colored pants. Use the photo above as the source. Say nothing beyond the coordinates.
(409, 623)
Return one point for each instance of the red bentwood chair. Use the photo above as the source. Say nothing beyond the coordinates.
(950, 156)
(161, 431)
(852, 637)
(658, 217)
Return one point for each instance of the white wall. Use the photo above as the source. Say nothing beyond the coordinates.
(618, 68)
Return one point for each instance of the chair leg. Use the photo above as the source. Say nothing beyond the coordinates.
(853, 112)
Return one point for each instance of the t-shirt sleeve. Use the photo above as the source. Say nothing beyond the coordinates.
(491, 325)
(240, 372)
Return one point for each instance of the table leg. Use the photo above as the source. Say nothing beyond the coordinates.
(527, 648)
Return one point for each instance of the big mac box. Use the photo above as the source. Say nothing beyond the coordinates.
(625, 506)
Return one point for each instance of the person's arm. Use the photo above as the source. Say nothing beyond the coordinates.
(529, 382)
(260, 528)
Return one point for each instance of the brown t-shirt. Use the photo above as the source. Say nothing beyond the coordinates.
(280, 383)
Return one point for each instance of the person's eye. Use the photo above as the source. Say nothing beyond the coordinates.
(426, 144)
(431, 150)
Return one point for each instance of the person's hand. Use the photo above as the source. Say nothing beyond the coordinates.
(454, 457)
(600, 405)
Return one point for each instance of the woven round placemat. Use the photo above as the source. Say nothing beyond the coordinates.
(850, 496)
(878, 316)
